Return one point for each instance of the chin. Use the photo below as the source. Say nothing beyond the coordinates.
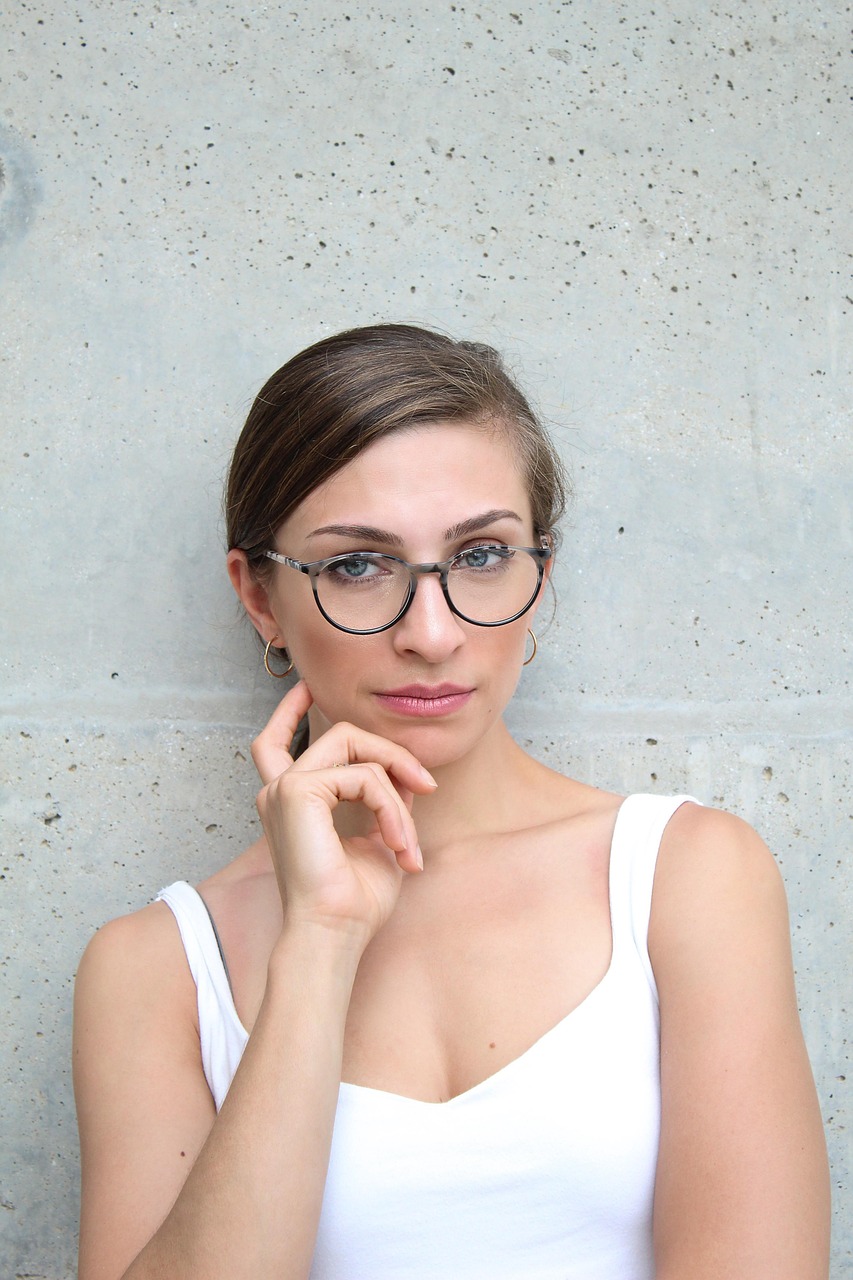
(434, 744)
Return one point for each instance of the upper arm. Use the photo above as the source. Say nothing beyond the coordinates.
(144, 1109)
(742, 1187)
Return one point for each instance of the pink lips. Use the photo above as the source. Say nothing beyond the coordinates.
(425, 700)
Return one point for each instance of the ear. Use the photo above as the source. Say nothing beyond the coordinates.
(254, 597)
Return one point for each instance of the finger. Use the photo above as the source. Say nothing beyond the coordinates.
(404, 798)
(368, 785)
(271, 748)
(347, 744)
(365, 784)
(392, 819)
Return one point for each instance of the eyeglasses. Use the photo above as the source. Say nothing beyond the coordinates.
(363, 592)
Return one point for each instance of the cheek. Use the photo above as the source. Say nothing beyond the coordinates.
(333, 666)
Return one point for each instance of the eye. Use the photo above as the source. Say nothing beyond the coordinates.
(355, 568)
(490, 557)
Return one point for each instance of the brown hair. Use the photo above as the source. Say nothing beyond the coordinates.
(327, 404)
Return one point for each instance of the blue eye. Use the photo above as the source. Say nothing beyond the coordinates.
(482, 558)
(355, 568)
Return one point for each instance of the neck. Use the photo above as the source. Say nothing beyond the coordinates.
(479, 793)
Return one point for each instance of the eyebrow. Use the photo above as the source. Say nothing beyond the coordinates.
(462, 530)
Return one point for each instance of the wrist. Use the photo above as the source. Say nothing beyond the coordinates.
(323, 947)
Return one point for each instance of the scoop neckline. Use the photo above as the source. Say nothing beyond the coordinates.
(514, 1063)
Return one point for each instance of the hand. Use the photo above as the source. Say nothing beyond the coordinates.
(347, 883)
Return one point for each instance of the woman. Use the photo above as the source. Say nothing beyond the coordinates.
(439, 947)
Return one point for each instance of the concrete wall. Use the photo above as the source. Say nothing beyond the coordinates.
(646, 208)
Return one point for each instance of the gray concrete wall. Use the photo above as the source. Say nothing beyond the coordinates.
(647, 208)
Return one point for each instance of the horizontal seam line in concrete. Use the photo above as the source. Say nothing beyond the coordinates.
(812, 718)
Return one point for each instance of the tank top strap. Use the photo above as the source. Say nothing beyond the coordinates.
(637, 835)
(222, 1035)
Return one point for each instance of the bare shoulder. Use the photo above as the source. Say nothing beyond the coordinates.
(702, 835)
(135, 955)
(714, 874)
(134, 994)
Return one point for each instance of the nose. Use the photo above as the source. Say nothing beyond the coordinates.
(429, 627)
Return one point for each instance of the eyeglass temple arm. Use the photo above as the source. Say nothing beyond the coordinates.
(292, 564)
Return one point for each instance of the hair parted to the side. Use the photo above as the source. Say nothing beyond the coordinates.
(332, 400)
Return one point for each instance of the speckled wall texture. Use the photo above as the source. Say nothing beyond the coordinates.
(646, 208)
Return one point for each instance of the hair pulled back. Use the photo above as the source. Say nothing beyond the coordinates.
(332, 400)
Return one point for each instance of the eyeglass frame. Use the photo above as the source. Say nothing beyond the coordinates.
(313, 568)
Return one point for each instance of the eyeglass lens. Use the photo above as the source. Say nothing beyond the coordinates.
(486, 584)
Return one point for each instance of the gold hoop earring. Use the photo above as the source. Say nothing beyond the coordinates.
(528, 661)
(276, 675)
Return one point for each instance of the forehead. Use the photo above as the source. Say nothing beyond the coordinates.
(419, 480)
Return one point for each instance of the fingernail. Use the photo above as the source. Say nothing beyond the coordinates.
(428, 776)
(419, 857)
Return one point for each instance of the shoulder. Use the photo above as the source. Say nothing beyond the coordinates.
(133, 966)
(719, 903)
(134, 941)
(701, 833)
(708, 856)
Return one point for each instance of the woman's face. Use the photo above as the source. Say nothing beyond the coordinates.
(433, 682)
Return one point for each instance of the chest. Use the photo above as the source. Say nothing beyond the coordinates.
(484, 954)
(473, 969)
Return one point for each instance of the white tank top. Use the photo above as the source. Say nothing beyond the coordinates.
(544, 1171)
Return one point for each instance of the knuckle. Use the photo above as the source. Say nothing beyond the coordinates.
(343, 729)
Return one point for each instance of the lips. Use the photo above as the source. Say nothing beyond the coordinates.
(424, 699)
(425, 691)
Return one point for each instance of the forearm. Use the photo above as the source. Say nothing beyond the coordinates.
(250, 1205)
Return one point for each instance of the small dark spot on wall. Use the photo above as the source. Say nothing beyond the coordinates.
(652, 742)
